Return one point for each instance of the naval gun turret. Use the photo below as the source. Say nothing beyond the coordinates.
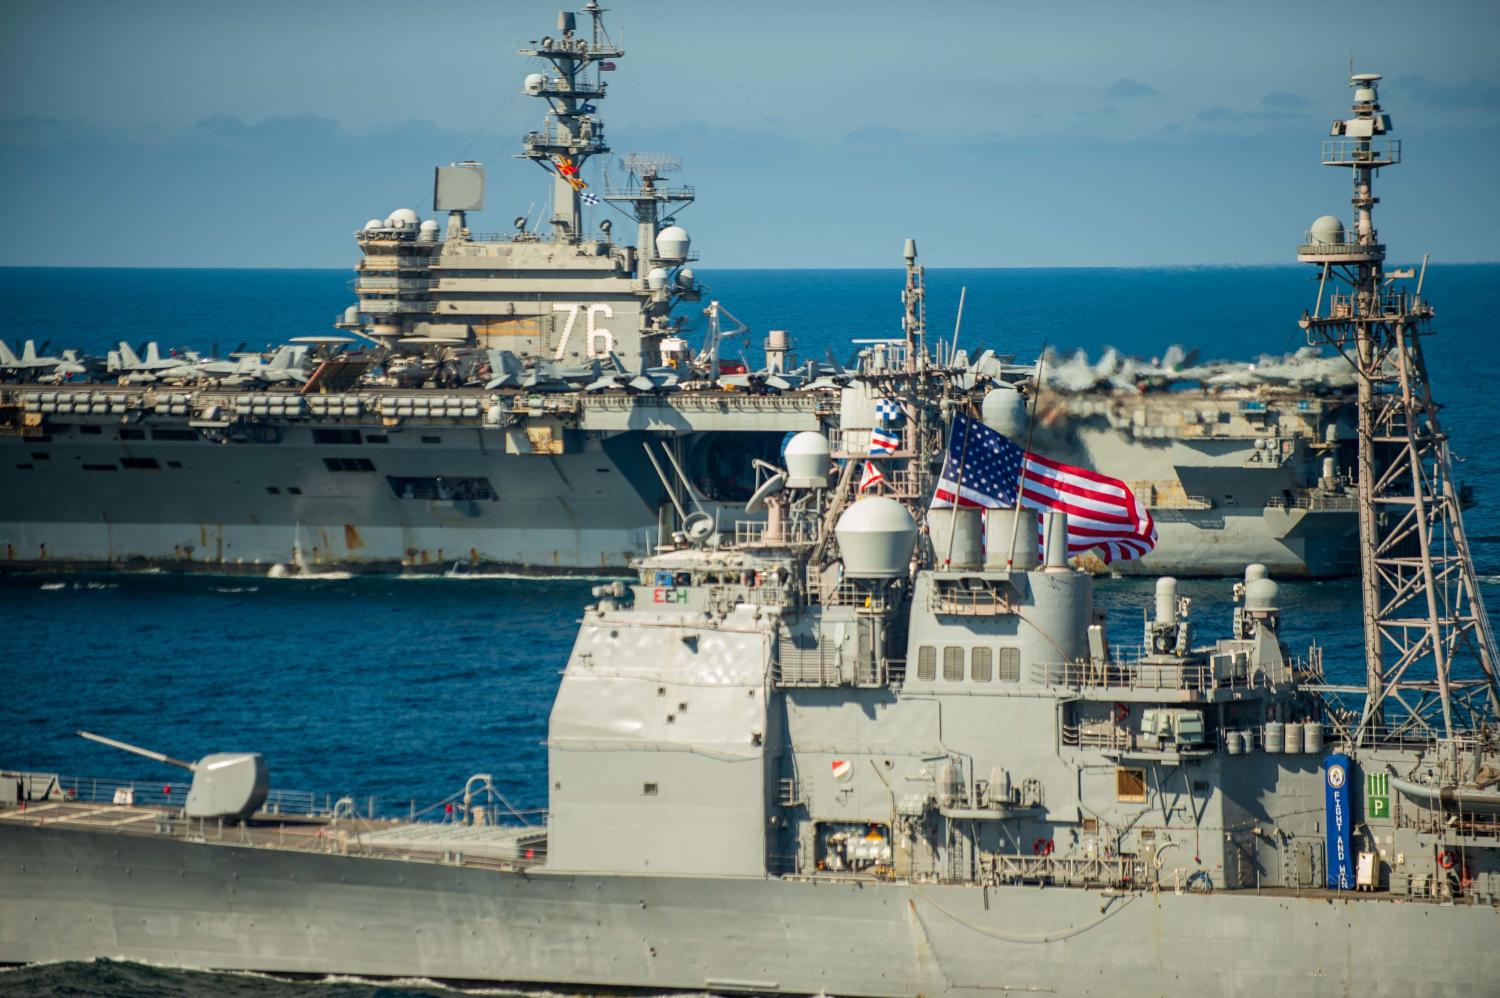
(227, 785)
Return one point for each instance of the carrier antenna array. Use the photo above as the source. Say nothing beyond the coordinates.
(1429, 652)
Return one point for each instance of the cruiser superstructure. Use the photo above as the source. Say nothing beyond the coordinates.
(841, 747)
(519, 393)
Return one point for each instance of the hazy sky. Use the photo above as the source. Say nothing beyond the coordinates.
(220, 133)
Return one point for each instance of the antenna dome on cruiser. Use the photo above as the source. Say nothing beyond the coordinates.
(807, 461)
(876, 538)
(1004, 410)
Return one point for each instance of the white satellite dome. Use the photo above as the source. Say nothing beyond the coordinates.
(374, 224)
(1261, 594)
(430, 225)
(807, 461)
(672, 243)
(351, 315)
(1004, 410)
(403, 218)
(685, 277)
(656, 279)
(427, 232)
(534, 83)
(876, 538)
(1326, 229)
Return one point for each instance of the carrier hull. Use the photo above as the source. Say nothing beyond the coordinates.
(573, 493)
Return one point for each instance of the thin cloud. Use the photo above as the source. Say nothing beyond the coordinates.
(1129, 87)
(1470, 94)
(1281, 100)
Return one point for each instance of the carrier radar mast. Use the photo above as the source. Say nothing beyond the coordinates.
(571, 132)
(1429, 650)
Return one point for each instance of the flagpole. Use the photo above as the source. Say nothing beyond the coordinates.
(958, 490)
(1015, 520)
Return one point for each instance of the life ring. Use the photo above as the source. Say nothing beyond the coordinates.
(1447, 858)
(1122, 711)
(1041, 847)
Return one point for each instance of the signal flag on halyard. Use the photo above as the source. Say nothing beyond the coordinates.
(984, 468)
(871, 476)
(568, 170)
(884, 441)
(588, 198)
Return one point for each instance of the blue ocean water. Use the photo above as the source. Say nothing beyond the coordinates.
(398, 689)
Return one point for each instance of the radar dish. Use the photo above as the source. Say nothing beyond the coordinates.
(641, 163)
(698, 526)
(768, 488)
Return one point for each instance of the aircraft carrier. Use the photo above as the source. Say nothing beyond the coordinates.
(849, 748)
(509, 401)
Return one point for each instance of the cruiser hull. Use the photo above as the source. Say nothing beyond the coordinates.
(76, 894)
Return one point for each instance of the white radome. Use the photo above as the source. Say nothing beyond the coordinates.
(673, 243)
(807, 461)
(876, 538)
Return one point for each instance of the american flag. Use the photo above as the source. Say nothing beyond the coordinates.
(1102, 512)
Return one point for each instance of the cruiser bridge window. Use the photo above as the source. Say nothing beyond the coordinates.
(1010, 665)
(927, 663)
(981, 665)
(953, 663)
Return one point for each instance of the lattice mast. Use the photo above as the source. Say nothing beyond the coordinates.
(1429, 650)
(571, 131)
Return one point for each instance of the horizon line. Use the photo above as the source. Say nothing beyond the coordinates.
(1096, 266)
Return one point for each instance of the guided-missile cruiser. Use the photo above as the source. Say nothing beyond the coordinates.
(502, 400)
(861, 744)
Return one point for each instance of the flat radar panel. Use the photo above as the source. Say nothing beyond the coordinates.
(458, 188)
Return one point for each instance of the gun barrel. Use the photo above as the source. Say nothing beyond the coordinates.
(136, 749)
